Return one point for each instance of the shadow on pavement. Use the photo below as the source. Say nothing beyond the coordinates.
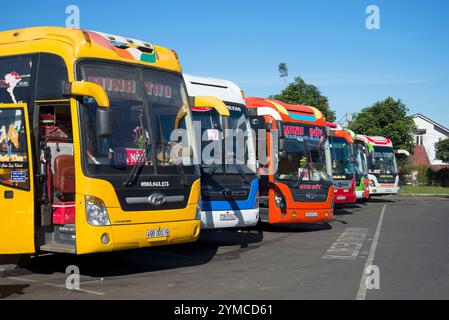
(294, 227)
(9, 290)
(381, 199)
(342, 212)
(148, 259)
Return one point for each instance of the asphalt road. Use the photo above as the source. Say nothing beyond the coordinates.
(406, 238)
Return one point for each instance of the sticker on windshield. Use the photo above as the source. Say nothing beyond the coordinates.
(128, 156)
(113, 85)
(213, 134)
(234, 108)
(11, 80)
(18, 176)
(158, 90)
(302, 133)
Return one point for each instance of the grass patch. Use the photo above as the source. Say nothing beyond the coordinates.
(425, 190)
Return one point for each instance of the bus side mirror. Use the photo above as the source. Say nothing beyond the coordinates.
(282, 153)
(95, 91)
(103, 123)
(211, 102)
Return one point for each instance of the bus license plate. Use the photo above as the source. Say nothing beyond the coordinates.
(228, 217)
(157, 233)
(311, 214)
(341, 198)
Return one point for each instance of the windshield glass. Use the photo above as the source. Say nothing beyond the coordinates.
(360, 156)
(341, 157)
(304, 155)
(243, 152)
(208, 120)
(144, 114)
(238, 146)
(383, 161)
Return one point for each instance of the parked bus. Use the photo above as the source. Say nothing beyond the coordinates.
(382, 168)
(295, 183)
(361, 168)
(229, 182)
(87, 121)
(343, 164)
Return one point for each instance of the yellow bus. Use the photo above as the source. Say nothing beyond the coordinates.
(87, 124)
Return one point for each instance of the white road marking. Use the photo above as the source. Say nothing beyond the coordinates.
(361, 294)
(82, 290)
(22, 279)
(60, 285)
(348, 244)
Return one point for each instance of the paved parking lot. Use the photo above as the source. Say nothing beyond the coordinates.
(406, 237)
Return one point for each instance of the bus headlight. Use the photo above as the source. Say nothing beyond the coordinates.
(198, 211)
(371, 183)
(279, 200)
(96, 213)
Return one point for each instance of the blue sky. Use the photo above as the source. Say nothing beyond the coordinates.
(325, 42)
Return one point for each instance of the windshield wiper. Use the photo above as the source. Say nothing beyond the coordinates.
(212, 168)
(179, 166)
(132, 176)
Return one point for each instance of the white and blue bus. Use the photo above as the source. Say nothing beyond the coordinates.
(229, 180)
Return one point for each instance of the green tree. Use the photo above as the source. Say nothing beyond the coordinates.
(300, 92)
(386, 118)
(283, 71)
(442, 150)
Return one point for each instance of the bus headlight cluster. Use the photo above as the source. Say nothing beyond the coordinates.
(198, 211)
(96, 213)
(371, 183)
(279, 200)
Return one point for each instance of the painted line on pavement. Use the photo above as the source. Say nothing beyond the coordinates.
(361, 294)
(60, 285)
(348, 244)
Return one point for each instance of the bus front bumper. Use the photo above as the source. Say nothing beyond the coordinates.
(379, 190)
(359, 194)
(133, 236)
(300, 215)
(345, 196)
(217, 219)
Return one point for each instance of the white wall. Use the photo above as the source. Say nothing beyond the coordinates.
(431, 137)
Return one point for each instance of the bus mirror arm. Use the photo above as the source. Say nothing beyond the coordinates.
(89, 89)
(95, 91)
(211, 102)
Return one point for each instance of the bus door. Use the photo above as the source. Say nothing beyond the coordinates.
(16, 181)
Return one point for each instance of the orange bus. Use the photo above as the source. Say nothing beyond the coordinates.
(295, 184)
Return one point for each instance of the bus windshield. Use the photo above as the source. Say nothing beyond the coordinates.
(211, 137)
(243, 152)
(383, 160)
(360, 156)
(341, 157)
(146, 107)
(304, 156)
(238, 145)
